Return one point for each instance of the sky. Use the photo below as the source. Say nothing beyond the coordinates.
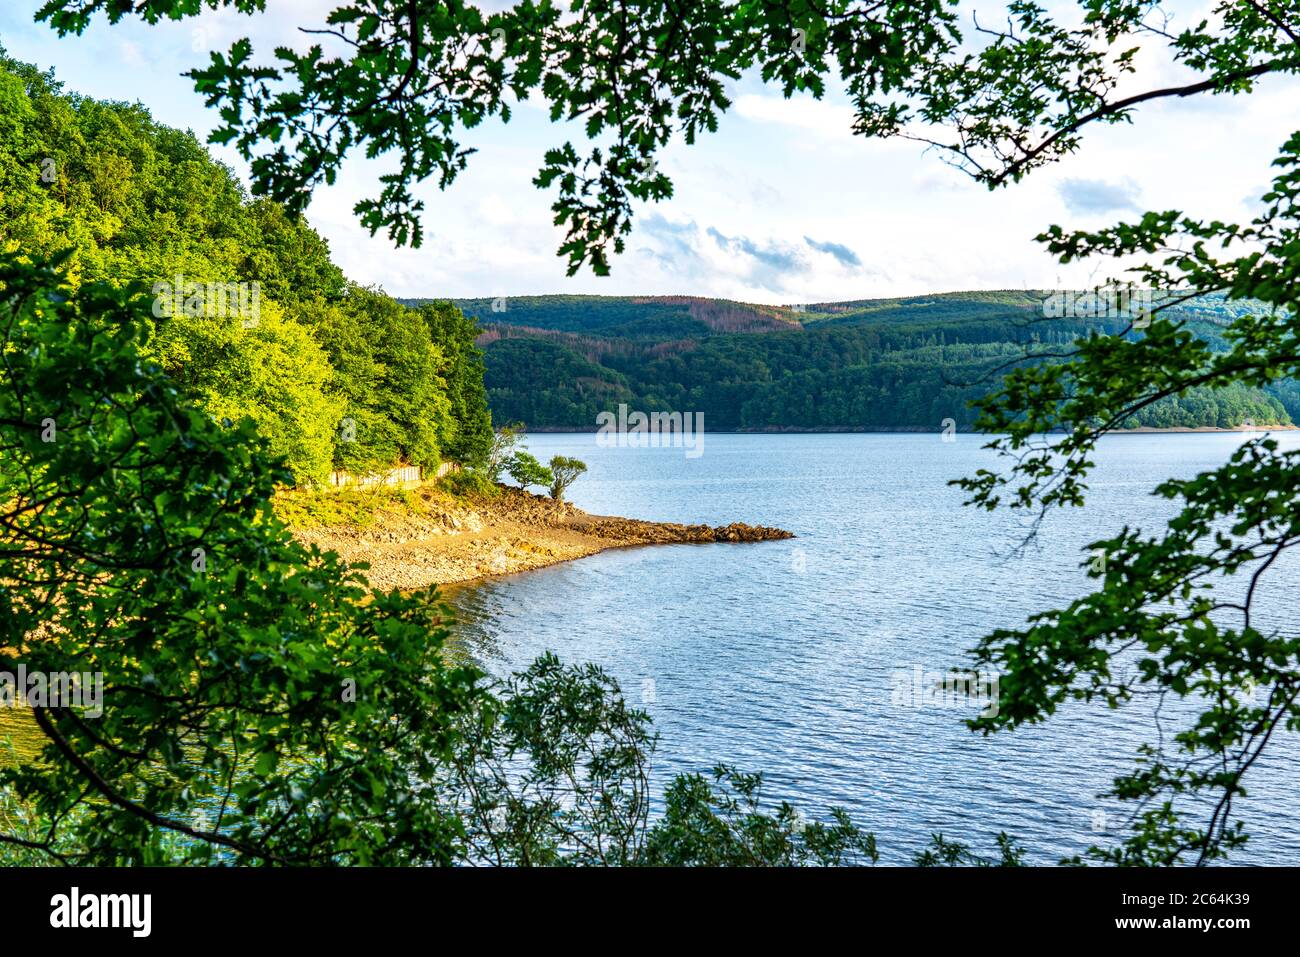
(782, 205)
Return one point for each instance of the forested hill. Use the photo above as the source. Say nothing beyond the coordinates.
(253, 319)
(554, 362)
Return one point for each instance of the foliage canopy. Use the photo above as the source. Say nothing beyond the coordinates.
(333, 375)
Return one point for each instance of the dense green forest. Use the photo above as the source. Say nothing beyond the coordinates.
(333, 374)
(554, 362)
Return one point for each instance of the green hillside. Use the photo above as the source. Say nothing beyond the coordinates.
(331, 373)
(555, 362)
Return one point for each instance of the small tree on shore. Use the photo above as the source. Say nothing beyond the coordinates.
(505, 440)
(526, 470)
(564, 472)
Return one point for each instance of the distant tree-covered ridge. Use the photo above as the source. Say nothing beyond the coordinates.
(555, 362)
(334, 375)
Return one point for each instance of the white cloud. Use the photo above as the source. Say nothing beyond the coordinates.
(827, 119)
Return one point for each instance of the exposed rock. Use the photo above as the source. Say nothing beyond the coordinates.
(441, 539)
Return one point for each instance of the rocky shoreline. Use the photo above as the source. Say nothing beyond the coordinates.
(435, 538)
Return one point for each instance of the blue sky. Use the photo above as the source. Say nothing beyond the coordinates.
(782, 205)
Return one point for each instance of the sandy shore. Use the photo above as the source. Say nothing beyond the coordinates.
(440, 539)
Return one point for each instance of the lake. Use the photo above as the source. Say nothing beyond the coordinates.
(787, 657)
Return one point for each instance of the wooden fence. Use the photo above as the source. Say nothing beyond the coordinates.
(406, 476)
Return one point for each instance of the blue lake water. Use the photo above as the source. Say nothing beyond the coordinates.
(786, 657)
